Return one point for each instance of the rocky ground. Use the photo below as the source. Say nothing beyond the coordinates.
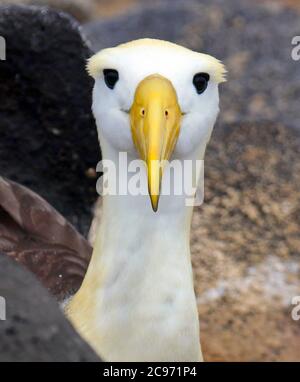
(246, 246)
(245, 237)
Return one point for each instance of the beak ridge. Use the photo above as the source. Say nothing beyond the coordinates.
(155, 118)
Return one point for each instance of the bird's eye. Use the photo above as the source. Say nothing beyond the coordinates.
(200, 81)
(111, 77)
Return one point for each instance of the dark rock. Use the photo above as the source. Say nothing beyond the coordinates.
(48, 137)
(35, 328)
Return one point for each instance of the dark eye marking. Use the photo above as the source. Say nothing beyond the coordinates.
(200, 81)
(111, 77)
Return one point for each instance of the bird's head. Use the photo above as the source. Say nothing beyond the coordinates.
(155, 100)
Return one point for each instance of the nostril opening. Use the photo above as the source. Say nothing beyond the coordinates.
(142, 112)
(166, 113)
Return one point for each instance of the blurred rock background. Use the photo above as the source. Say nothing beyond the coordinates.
(245, 237)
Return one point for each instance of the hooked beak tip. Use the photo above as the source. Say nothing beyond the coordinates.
(154, 205)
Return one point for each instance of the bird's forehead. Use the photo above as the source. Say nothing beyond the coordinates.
(143, 57)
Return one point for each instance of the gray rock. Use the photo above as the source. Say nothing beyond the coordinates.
(35, 328)
(165, 21)
(48, 137)
(82, 10)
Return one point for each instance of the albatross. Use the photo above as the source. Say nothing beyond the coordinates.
(155, 101)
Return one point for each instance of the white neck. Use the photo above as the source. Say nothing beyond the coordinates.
(137, 301)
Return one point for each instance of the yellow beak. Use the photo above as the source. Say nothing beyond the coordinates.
(155, 118)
